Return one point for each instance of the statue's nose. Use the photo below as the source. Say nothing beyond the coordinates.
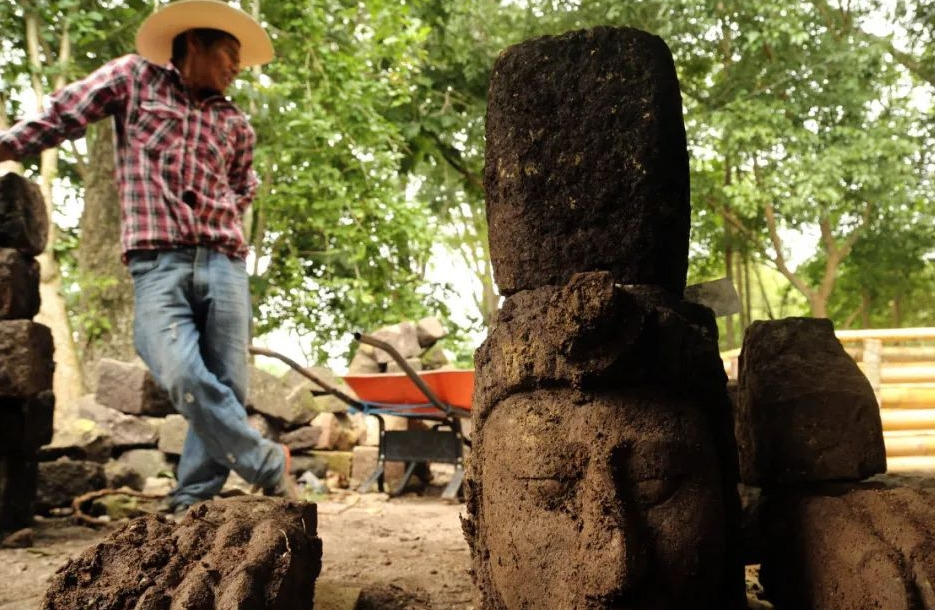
(613, 534)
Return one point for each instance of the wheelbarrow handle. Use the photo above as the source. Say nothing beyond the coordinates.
(261, 351)
(395, 355)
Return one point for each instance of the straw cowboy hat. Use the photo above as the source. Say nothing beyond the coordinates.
(154, 38)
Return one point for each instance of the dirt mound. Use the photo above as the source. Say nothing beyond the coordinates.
(242, 553)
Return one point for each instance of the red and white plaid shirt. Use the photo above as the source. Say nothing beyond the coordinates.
(184, 168)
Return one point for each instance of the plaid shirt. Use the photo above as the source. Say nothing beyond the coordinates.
(184, 168)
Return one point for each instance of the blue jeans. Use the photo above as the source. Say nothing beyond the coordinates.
(191, 327)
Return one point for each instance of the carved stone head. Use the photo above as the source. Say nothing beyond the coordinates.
(590, 501)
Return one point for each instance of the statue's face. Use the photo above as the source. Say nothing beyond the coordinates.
(608, 501)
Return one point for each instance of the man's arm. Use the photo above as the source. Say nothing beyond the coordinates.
(70, 111)
(240, 174)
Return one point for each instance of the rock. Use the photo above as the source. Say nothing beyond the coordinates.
(429, 330)
(263, 426)
(18, 482)
(403, 337)
(21, 539)
(158, 486)
(865, 548)
(19, 285)
(131, 389)
(117, 507)
(244, 552)
(371, 434)
(24, 224)
(125, 431)
(26, 423)
(414, 363)
(79, 439)
(586, 165)
(434, 358)
(315, 464)
(267, 395)
(302, 438)
(364, 363)
(63, 480)
(26, 363)
(293, 378)
(339, 462)
(338, 432)
(797, 386)
(134, 467)
(172, 434)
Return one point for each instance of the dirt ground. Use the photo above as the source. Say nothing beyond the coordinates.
(407, 551)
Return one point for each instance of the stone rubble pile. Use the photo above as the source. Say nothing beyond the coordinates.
(128, 435)
(26, 364)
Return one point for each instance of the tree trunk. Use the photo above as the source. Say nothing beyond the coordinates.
(106, 302)
(729, 320)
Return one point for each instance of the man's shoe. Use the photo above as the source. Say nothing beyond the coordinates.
(283, 487)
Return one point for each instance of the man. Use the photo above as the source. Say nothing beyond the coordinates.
(184, 157)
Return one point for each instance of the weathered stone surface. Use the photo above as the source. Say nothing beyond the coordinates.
(19, 285)
(133, 467)
(125, 431)
(434, 358)
(26, 423)
(263, 426)
(22, 539)
(24, 224)
(267, 394)
(78, 439)
(592, 334)
(364, 363)
(414, 363)
(429, 330)
(26, 364)
(338, 432)
(339, 462)
(806, 413)
(586, 163)
(63, 480)
(233, 554)
(317, 465)
(172, 434)
(863, 549)
(302, 439)
(18, 482)
(129, 387)
(403, 337)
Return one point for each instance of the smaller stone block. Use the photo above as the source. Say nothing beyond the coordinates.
(133, 467)
(865, 548)
(338, 432)
(339, 462)
(24, 223)
(172, 434)
(805, 412)
(429, 330)
(26, 364)
(130, 388)
(26, 423)
(302, 439)
(19, 285)
(78, 439)
(63, 480)
(125, 431)
(268, 395)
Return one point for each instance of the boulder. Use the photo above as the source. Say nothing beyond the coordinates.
(429, 330)
(135, 466)
(19, 285)
(79, 439)
(268, 395)
(403, 337)
(26, 363)
(338, 432)
(172, 434)
(24, 223)
(63, 480)
(129, 387)
(125, 431)
(797, 388)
